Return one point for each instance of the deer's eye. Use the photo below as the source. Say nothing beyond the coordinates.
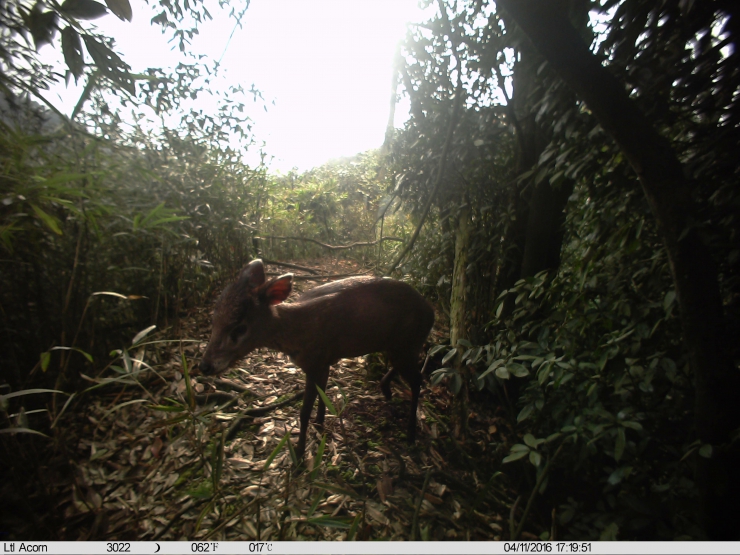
(237, 332)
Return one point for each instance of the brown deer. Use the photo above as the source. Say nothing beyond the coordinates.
(342, 319)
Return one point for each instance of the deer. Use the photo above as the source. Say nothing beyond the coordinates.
(341, 319)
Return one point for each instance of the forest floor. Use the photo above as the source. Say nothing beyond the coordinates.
(155, 461)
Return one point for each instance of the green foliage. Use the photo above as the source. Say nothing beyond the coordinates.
(105, 231)
(21, 71)
(587, 355)
(107, 236)
(600, 341)
(480, 163)
(134, 215)
(337, 204)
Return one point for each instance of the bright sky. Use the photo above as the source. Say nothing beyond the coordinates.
(325, 63)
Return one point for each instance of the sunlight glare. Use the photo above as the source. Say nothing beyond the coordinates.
(323, 66)
(327, 66)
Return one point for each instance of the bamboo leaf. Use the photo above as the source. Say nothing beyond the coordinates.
(142, 334)
(317, 458)
(30, 392)
(122, 405)
(329, 405)
(275, 451)
(72, 50)
(83, 9)
(92, 81)
(167, 408)
(353, 529)
(45, 359)
(331, 521)
(21, 431)
(336, 489)
(110, 294)
(121, 8)
(88, 356)
(41, 24)
(316, 501)
(51, 222)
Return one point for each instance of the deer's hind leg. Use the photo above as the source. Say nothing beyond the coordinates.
(408, 365)
(314, 377)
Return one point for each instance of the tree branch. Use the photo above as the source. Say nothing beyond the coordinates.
(331, 247)
(292, 266)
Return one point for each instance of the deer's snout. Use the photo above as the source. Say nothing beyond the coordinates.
(207, 368)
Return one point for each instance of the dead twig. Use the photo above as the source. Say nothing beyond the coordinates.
(331, 247)
(215, 396)
(319, 277)
(234, 517)
(292, 266)
(260, 411)
(512, 516)
(189, 505)
(241, 388)
(415, 521)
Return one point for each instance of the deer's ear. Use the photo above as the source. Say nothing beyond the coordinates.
(253, 274)
(277, 290)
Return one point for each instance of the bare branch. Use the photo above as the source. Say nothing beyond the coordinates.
(331, 247)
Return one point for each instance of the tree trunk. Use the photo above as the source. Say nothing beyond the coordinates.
(389, 127)
(544, 235)
(530, 144)
(693, 269)
(458, 314)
